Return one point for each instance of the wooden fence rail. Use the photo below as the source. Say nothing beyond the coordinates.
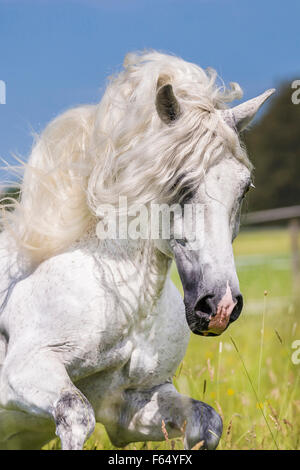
(292, 214)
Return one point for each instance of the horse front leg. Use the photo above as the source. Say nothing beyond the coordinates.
(143, 413)
(37, 383)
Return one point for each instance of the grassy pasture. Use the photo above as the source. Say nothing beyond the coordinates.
(256, 387)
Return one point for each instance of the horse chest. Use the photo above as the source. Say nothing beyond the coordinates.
(160, 340)
(147, 350)
(156, 344)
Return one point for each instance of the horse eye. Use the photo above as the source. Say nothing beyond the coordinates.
(247, 189)
(181, 241)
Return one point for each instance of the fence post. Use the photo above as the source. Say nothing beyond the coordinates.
(294, 232)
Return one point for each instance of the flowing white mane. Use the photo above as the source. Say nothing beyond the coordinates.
(91, 155)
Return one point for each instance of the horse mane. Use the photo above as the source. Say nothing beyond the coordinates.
(90, 155)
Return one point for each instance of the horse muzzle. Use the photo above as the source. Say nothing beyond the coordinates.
(211, 314)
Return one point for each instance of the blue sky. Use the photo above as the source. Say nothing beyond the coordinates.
(55, 54)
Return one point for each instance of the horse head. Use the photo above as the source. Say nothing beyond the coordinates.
(207, 269)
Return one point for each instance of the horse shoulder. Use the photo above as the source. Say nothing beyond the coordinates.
(59, 296)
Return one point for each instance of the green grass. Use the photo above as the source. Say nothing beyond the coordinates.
(213, 370)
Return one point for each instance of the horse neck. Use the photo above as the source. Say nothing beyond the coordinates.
(137, 263)
(155, 269)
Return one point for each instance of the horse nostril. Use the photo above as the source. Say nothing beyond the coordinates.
(237, 309)
(205, 305)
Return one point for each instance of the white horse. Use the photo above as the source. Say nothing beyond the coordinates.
(92, 330)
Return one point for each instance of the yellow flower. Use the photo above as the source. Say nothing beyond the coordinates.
(230, 392)
(212, 395)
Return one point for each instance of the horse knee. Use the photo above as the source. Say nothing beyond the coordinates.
(75, 420)
(205, 426)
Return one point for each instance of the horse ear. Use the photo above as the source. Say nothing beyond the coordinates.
(167, 105)
(240, 116)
